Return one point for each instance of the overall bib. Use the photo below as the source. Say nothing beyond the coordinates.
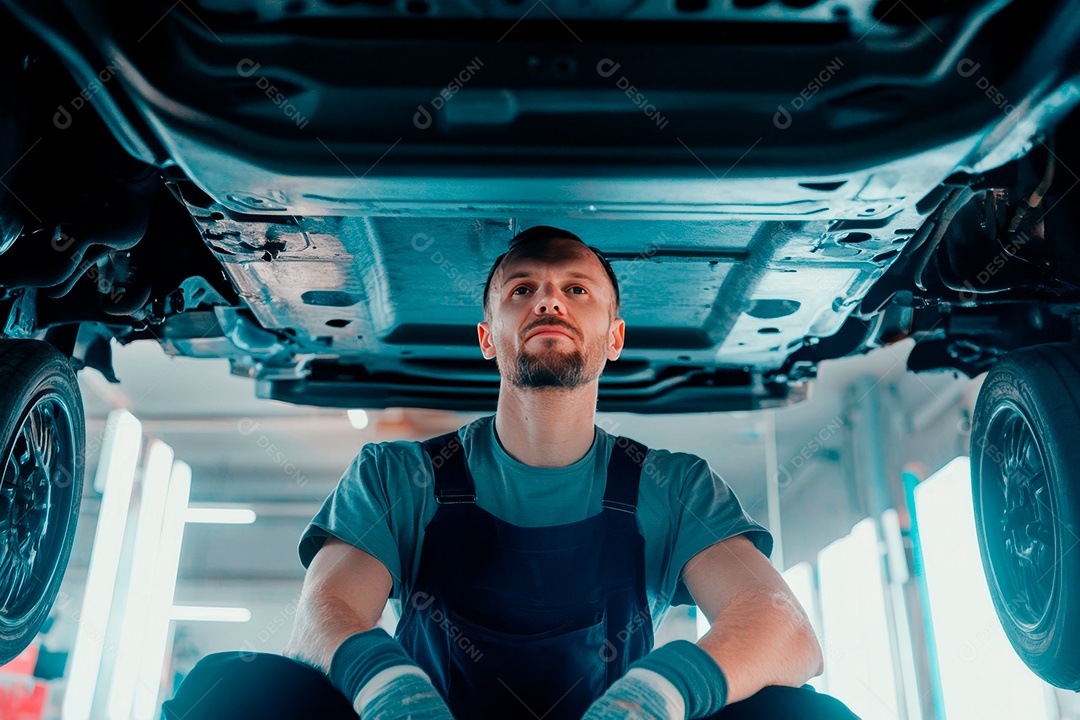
(527, 622)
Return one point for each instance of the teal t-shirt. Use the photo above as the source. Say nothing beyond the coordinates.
(385, 499)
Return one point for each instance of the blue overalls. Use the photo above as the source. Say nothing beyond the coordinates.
(527, 622)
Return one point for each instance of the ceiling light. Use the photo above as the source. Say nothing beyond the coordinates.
(358, 419)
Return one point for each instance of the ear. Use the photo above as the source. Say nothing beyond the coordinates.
(617, 338)
(487, 341)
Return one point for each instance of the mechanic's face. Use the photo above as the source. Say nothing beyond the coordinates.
(552, 317)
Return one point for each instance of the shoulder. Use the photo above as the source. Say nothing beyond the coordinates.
(661, 468)
(382, 463)
(404, 458)
(675, 470)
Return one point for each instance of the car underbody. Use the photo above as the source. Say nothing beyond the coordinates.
(238, 194)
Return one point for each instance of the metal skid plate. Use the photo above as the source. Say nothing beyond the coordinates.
(750, 171)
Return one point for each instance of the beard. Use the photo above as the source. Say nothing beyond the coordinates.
(552, 367)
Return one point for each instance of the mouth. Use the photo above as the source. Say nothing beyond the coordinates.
(548, 331)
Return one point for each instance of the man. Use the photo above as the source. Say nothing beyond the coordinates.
(532, 553)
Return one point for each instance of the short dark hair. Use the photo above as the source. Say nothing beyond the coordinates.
(539, 234)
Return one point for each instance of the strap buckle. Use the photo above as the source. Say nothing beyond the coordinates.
(455, 498)
(619, 506)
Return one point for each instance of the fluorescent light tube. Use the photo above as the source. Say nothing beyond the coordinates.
(156, 640)
(155, 484)
(221, 515)
(115, 476)
(200, 613)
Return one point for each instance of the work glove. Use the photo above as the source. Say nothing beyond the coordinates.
(677, 681)
(410, 696)
(639, 695)
(375, 672)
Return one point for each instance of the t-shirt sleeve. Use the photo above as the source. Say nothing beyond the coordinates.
(706, 512)
(358, 512)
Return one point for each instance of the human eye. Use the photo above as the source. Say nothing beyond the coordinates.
(578, 287)
(519, 287)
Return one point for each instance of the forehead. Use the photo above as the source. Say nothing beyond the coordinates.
(567, 256)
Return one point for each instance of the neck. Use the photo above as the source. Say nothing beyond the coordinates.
(552, 427)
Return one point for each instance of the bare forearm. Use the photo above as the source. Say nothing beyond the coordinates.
(760, 640)
(370, 668)
(322, 624)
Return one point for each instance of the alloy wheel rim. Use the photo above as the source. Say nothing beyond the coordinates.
(35, 501)
(1018, 517)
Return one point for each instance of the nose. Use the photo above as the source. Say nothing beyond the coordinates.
(546, 301)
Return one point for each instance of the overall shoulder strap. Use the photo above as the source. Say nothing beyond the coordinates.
(624, 475)
(453, 484)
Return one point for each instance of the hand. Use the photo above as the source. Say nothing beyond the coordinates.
(408, 697)
(639, 695)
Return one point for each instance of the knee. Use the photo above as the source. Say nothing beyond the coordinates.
(802, 703)
(237, 685)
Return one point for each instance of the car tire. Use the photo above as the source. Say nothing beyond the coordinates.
(42, 443)
(1025, 474)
